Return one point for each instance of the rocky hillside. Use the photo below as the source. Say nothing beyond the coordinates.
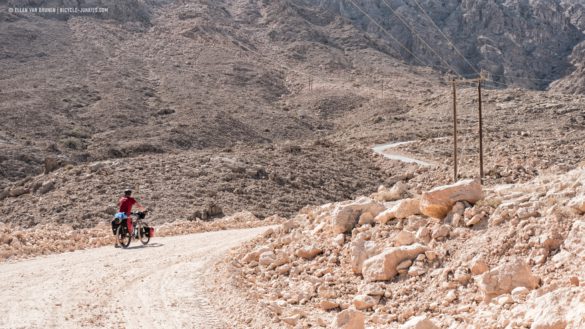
(457, 256)
(522, 43)
(254, 82)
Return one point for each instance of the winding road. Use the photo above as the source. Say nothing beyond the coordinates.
(156, 286)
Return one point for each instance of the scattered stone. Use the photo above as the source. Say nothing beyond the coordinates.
(519, 294)
(346, 215)
(423, 235)
(383, 266)
(419, 322)
(266, 258)
(404, 238)
(478, 266)
(46, 187)
(504, 278)
(578, 203)
(327, 305)
(363, 302)
(18, 191)
(474, 220)
(403, 266)
(308, 252)
(349, 319)
(397, 191)
(562, 308)
(441, 232)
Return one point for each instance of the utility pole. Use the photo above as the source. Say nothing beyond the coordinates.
(382, 88)
(480, 130)
(454, 131)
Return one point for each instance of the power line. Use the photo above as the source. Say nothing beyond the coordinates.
(389, 34)
(419, 37)
(447, 38)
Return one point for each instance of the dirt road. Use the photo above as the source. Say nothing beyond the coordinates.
(156, 286)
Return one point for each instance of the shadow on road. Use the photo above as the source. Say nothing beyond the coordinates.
(150, 245)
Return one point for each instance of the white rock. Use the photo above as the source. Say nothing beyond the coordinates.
(578, 203)
(363, 302)
(403, 266)
(419, 322)
(423, 235)
(308, 252)
(439, 201)
(441, 231)
(339, 239)
(575, 241)
(266, 258)
(474, 220)
(504, 278)
(255, 255)
(349, 319)
(327, 305)
(404, 238)
(383, 266)
(406, 208)
(478, 266)
(395, 193)
(346, 215)
(562, 308)
(519, 294)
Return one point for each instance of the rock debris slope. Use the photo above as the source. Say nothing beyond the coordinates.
(508, 256)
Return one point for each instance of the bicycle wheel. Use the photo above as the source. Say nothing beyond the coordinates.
(123, 237)
(143, 237)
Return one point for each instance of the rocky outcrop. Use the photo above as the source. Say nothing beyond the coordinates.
(499, 37)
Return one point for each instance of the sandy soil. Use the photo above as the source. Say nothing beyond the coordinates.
(160, 285)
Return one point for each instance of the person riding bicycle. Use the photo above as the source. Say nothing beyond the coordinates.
(125, 205)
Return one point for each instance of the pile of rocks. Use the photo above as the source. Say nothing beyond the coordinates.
(454, 256)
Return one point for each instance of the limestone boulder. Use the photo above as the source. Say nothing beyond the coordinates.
(402, 209)
(562, 308)
(394, 193)
(308, 252)
(419, 322)
(578, 203)
(266, 258)
(364, 302)
(575, 241)
(345, 216)
(349, 319)
(504, 278)
(438, 202)
(383, 266)
(404, 238)
(255, 254)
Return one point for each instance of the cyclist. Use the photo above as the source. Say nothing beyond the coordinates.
(125, 209)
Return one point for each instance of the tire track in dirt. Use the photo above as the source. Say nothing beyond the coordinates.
(159, 285)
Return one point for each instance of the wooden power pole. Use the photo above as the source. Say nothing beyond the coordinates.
(480, 130)
(454, 131)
